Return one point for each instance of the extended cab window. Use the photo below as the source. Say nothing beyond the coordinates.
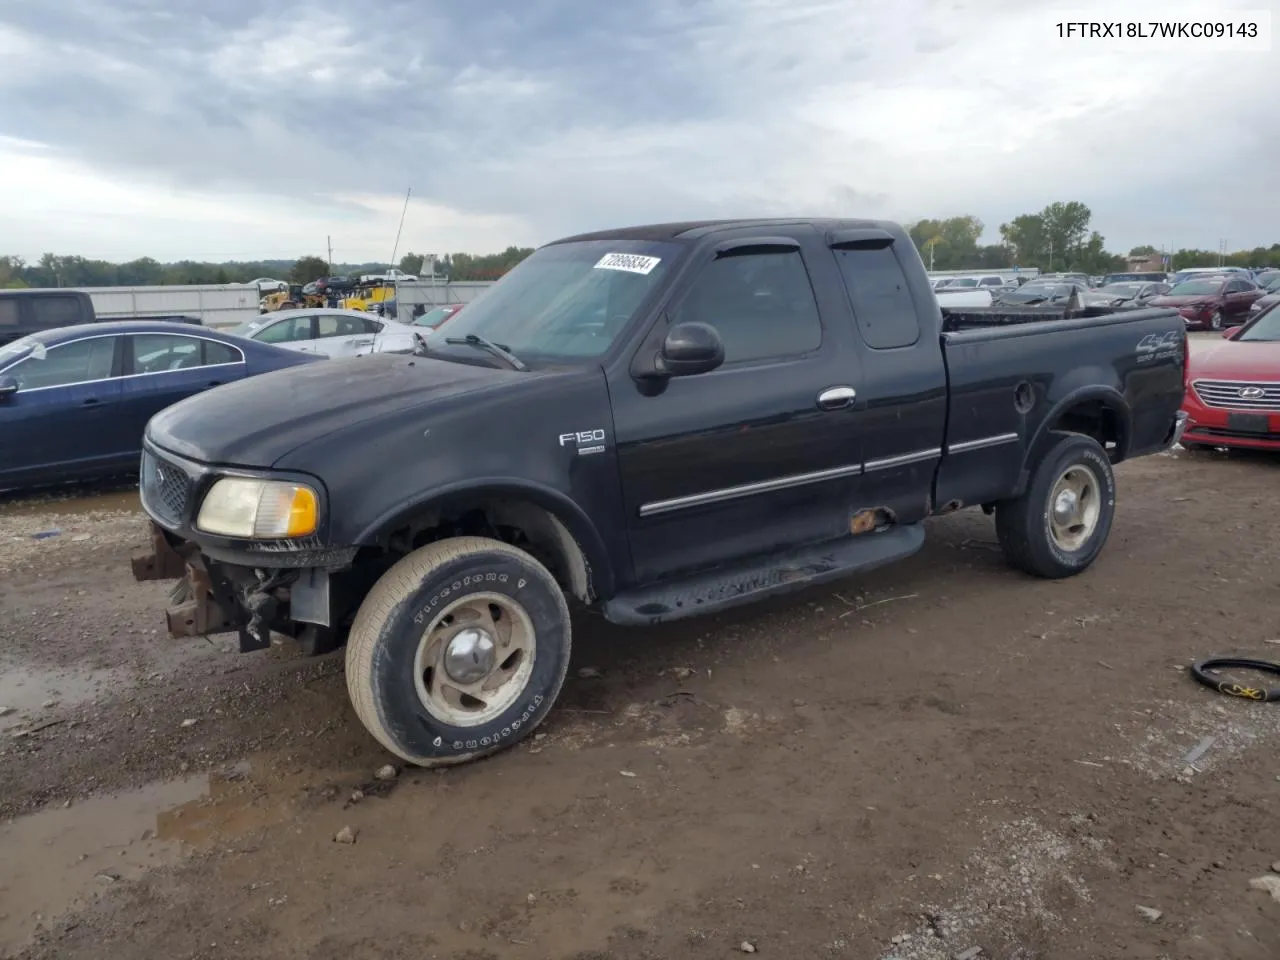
(72, 363)
(882, 305)
(9, 315)
(56, 311)
(760, 303)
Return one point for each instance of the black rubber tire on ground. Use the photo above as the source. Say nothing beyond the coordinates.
(1023, 525)
(1215, 321)
(384, 639)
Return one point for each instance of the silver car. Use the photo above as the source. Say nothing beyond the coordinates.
(330, 331)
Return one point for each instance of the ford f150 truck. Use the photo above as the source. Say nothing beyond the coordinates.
(656, 422)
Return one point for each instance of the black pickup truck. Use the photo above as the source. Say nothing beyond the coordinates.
(658, 422)
(24, 312)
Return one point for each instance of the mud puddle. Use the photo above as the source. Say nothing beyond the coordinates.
(28, 692)
(72, 503)
(56, 861)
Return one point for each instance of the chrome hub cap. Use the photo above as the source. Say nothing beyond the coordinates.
(474, 659)
(469, 656)
(1074, 507)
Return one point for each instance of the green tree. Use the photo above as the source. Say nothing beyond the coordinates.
(411, 263)
(306, 269)
(1144, 250)
(950, 244)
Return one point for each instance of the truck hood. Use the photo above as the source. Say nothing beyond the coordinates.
(256, 422)
(1250, 360)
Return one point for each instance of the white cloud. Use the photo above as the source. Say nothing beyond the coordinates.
(259, 134)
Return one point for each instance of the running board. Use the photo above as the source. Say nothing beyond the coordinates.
(711, 591)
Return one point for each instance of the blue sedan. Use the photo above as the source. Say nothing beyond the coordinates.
(74, 401)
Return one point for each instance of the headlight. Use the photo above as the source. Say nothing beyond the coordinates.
(259, 509)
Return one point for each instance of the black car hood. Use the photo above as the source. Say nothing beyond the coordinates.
(256, 422)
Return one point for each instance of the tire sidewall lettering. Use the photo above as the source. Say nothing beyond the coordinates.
(417, 730)
(1101, 468)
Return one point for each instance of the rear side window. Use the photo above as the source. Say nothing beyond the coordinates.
(9, 316)
(56, 311)
(216, 353)
(882, 305)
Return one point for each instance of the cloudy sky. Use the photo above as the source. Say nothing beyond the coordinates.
(238, 129)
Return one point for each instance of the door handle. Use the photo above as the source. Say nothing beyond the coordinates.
(836, 398)
(90, 402)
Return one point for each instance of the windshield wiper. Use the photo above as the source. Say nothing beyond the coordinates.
(497, 349)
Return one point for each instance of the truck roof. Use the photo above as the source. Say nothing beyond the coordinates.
(696, 229)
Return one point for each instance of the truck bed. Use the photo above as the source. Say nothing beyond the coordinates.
(1008, 381)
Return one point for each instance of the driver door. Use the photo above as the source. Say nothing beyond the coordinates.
(744, 459)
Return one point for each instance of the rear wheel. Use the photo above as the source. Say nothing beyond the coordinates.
(1059, 526)
(458, 651)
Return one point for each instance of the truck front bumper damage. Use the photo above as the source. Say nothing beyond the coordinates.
(214, 597)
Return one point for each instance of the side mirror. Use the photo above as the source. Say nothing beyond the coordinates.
(690, 348)
(1231, 333)
(8, 387)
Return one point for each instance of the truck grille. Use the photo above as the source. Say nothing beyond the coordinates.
(1235, 395)
(165, 489)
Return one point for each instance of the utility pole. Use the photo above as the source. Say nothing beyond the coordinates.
(329, 241)
(1050, 270)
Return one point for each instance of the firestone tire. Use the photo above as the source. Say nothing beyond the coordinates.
(1039, 533)
(399, 651)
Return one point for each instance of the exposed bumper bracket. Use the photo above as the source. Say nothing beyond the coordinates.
(162, 562)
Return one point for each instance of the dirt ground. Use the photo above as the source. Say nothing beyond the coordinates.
(938, 756)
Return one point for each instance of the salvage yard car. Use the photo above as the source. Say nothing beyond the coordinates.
(657, 422)
(74, 401)
(1233, 398)
(330, 332)
(1211, 303)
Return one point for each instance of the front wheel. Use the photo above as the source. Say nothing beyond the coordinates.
(459, 650)
(1059, 526)
(1215, 321)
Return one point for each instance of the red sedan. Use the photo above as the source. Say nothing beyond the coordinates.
(1211, 303)
(1233, 390)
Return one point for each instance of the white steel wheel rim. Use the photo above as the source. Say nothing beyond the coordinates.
(1075, 505)
(474, 659)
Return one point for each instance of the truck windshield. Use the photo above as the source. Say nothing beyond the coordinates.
(1265, 328)
(567, 301)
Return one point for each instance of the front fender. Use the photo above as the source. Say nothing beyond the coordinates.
(569, 513)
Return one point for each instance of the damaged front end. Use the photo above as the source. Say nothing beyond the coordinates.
(216, 597)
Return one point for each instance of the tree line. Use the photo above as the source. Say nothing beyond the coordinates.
(57, 270)
(1058, 238)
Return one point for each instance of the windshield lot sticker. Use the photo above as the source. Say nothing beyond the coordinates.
(630, 262)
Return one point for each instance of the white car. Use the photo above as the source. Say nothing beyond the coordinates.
(391, 276)
(330, 332)
(266, 285)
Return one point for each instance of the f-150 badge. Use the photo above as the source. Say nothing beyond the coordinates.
(586, 441)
